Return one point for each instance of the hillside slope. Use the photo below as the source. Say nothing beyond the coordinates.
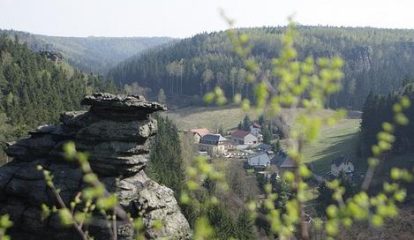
(90, 54)
(377, 60)
(35, 90)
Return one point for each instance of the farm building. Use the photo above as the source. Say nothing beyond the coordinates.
(213, 144)
(240, 137)
(283, 162)
(199, 133)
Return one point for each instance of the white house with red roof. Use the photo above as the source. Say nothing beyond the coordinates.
(241, 137)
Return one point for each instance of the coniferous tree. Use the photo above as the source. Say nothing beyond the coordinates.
(245, 227)
(165, 165)
(35, 90)
(195, 65)
(246, 123)
(267, 134)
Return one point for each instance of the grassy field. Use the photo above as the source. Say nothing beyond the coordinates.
(341, 139)
(211, 118)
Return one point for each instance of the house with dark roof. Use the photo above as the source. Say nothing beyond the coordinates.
(283, 162)
(264, 147)
(198, 133)
(255, 129)
(241, 137)
(259, 160)
(213, 144)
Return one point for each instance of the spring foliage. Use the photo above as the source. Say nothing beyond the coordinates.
(307, 84)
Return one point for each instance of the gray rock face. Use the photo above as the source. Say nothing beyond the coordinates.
(116, 133)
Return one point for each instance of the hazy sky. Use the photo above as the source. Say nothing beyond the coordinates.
(184, 18)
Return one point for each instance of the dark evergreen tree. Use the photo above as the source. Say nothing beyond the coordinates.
(222, 222)
(165, 165)
(267, 134)
(377, 110)
(35, 90)
(246, 123)
(245, 227)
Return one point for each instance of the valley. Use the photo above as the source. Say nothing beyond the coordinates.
(88, 149)
(89, 54)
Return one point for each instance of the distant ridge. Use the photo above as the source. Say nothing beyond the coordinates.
(377, 60)
(89, 54)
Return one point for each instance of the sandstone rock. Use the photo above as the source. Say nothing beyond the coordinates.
(30, 148)
(120, 103)
(31, 192)
(118, 165)
(114, 147)
(115, 133)
(157, 203)
(29, 171)
(14, 209)
(76, 119)
(131, 131)
(123, 108)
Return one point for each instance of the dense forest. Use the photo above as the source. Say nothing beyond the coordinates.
(378, 109)
(89, 54)
(377, 60)
(35, 90)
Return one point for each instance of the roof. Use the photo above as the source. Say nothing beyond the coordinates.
(212, 139)
(282, 160)
(256, 125)
(200, 131)
(239, 133)
(288, 163)
(279, 158)
(264, 146)
(259, 159)
(259, 154)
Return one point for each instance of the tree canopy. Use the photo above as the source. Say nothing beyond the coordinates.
(376, 60)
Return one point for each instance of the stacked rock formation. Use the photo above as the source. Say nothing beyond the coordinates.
(115, 132)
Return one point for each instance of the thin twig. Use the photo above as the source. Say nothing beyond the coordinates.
(63, 205)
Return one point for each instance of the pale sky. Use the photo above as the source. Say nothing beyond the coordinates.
(184, 18)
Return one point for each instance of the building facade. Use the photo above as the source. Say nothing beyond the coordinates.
(213, 144)
(240, 137)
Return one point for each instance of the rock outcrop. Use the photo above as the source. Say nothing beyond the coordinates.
(115, 132)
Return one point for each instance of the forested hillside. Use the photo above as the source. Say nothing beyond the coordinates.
(90, 54)
(35, 90)
(377, 60)
(378, 109)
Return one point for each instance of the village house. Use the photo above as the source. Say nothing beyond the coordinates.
(342, 165)
(199, 133)
(213, 144)
(255, 129)
(264, 147)
(259, 160)
(287, 165)
(241, 137)
(283, 162)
